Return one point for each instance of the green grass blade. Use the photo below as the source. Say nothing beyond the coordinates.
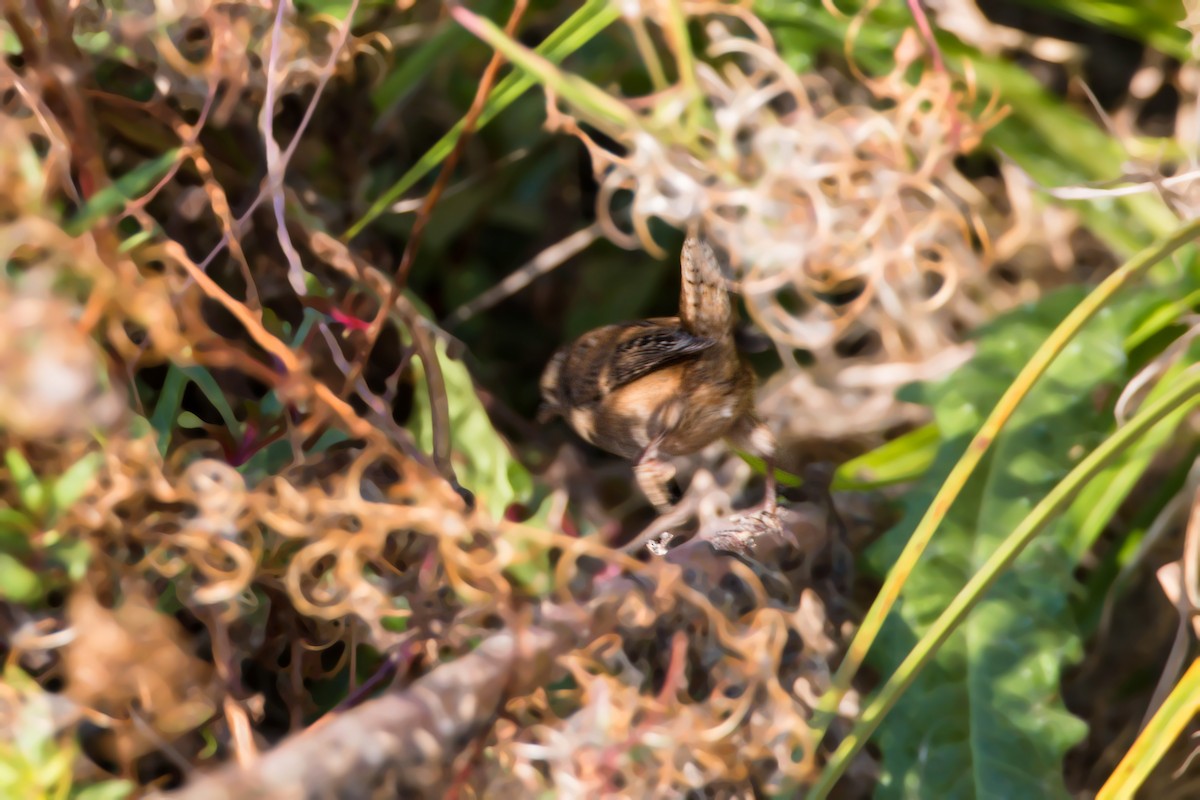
(162, 420)
(1176, 712)
(903, 459)
(113, 198)
(580, 28)
(444, 43)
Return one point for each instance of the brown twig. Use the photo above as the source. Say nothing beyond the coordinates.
(410, 740)
(435, 384)
(339, 257)
(439, 185)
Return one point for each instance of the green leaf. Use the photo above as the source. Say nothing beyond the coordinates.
(1155, 740)
(212, 391)
(189, 421)
(113, 198)
(15, 523)
(903, 459)
(29, 489)
(71, 485)
(166, 411)
(336, 8)
(1162, 317)
(1153, 22)
(592, 103)
(167, 407)
(782, 477)
(1059, 146)
(481, 458)
(17, 582)
(397, 623)
(532, 568)
(986, 719)
(74, 555)
(108, 790)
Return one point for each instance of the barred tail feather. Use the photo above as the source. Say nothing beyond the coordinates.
(704, 306)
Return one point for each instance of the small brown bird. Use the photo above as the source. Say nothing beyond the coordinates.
(663, 387)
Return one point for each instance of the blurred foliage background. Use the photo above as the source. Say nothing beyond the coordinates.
(279, 283)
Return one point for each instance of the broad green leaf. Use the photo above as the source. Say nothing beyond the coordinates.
(986, 719)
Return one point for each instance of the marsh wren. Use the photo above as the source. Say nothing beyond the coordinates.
(663, 387)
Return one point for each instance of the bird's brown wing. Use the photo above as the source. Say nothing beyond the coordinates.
(652, 348)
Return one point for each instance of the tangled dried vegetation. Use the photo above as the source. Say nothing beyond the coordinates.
(857, 243)
(243, 570)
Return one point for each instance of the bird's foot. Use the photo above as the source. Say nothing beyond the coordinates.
(739, 534)
(654, 479)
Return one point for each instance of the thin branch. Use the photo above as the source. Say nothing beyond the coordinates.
(408, 741)
(276, 161)
(443, 179)
(544, 262)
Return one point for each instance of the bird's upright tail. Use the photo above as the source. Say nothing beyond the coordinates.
(704, 306)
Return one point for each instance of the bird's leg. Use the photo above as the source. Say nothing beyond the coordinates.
(654, 475)
(770, 499)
